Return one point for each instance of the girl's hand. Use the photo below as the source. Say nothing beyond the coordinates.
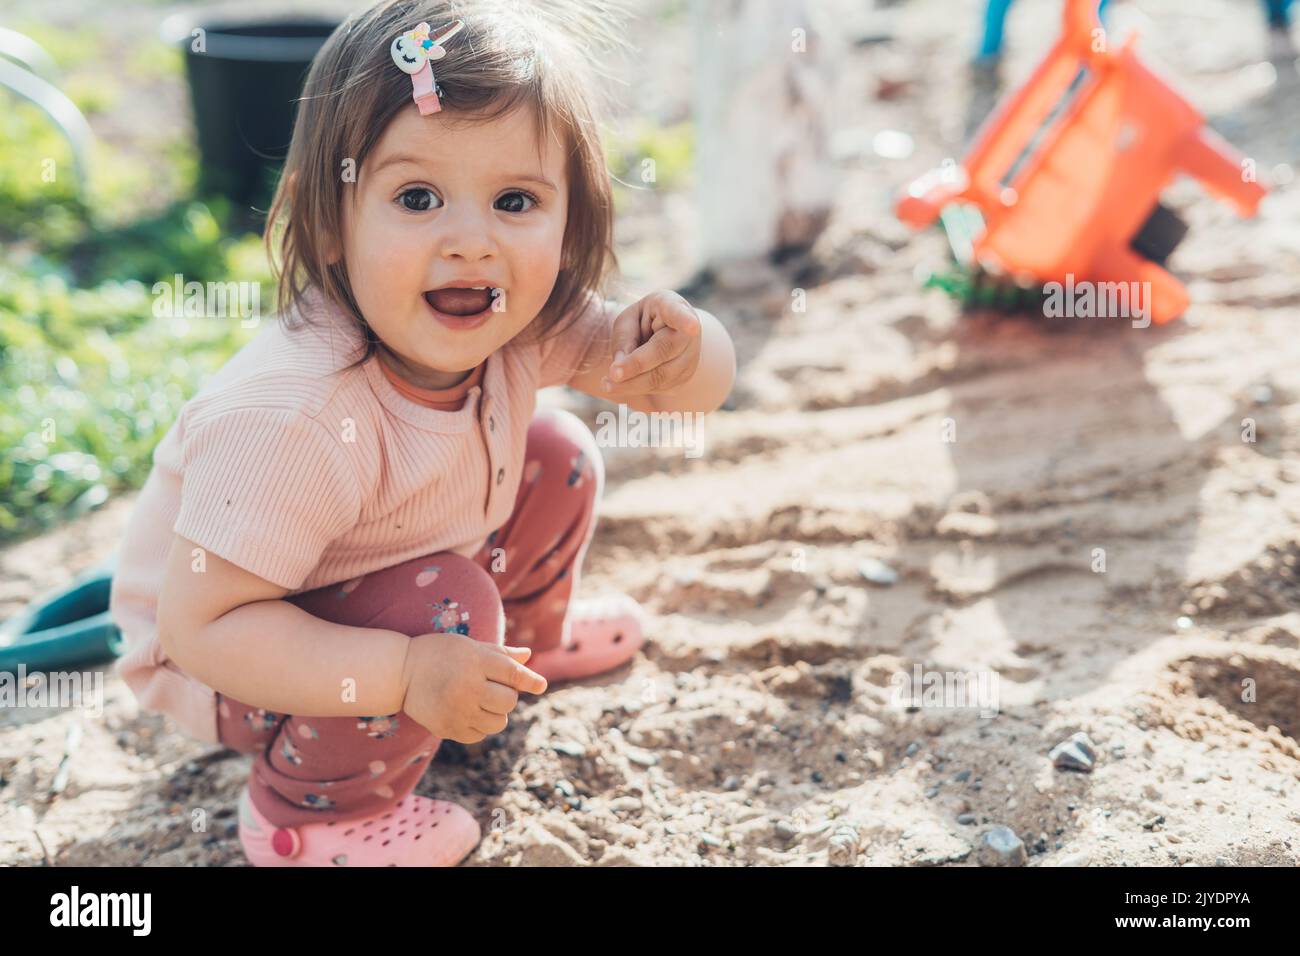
(656, 347)
(463, 689)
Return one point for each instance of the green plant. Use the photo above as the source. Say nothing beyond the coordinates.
(92, 380)
(665, 152)
(90, 377)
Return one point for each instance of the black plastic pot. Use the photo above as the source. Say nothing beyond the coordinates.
(244, 81)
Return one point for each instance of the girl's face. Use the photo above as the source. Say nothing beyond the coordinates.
(440, 204)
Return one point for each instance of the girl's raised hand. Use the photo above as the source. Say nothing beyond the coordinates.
(656, 346)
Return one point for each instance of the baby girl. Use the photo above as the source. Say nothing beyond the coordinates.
(361, 536)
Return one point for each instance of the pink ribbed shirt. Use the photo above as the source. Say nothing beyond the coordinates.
(307, 475)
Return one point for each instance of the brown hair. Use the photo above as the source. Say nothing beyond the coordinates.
(511, 53)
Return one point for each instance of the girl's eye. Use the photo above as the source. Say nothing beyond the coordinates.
(419, 199)
(516, 201)
(422, 199)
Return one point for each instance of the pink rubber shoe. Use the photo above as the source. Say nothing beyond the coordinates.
(416, 832)
(604, 633)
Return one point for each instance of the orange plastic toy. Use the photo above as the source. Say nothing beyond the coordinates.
(1067, 172)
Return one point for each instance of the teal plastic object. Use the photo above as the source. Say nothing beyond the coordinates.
(966, 282)
(67, 627)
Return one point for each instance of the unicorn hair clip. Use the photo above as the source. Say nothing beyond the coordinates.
(414, 52)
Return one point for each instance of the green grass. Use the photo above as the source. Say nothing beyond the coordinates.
(669, 148)
(92, 381)
(90, 377)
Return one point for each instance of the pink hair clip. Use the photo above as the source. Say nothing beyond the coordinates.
(414, 52)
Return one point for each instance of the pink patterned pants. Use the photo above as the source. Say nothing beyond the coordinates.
(317, 769)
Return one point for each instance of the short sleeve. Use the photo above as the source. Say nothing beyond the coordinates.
(266, 489)
(562, 353)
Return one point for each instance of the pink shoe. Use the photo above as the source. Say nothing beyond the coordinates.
(416, 832)
(604, 633)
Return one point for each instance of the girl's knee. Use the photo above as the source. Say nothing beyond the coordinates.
(457, 596)
(442, 592)
(563, 448)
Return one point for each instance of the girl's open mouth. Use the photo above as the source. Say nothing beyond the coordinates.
(462, 308)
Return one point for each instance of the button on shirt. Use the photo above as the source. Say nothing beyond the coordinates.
(450, 399)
